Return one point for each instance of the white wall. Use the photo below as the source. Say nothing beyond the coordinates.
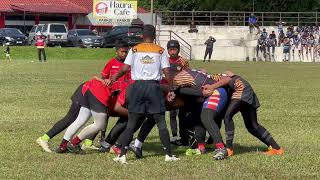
(234, 43)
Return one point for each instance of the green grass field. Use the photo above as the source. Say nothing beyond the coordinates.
(36, 95)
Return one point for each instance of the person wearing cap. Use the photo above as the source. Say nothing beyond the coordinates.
(40, 44)
(176, 61)
(147, 62)
(209, 48)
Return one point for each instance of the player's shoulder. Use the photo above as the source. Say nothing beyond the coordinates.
(148, 47)
(111, 61)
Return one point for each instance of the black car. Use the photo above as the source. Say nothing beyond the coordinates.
(84, 38)
(130, 34)
(12, 36)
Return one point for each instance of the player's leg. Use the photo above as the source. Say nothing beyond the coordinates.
(125, 138)
(83, 117)
(145, 130)
(232, 109)
(114, 134)
(100, 119)
(249, 115)
(174, 124)
(159, 118)
(59, 126)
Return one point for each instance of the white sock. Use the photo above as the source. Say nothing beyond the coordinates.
(137, 143)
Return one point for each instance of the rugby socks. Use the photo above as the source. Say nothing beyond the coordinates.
(45, 138)
(137, 144)
(219, 146)
(75, 141)
(201, 146)
(63, 144)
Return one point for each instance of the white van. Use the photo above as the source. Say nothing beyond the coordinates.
(33, 32)
(56, 34)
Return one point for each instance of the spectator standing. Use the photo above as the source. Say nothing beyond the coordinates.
(264, 33)
(261, 48)
(281, 37)
(271, 44)
(209, 48)
(280, 26)
(40, 44)
(286, 49)
(7, 52)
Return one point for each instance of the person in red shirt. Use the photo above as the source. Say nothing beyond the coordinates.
(179, 63)
(98, 102)
(40, 43)
(114, 65)
(96, 87)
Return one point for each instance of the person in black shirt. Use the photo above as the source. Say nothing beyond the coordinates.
(209, 48)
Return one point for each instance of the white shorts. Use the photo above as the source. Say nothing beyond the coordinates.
(7, 55)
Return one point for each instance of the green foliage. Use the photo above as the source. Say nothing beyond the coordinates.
(34, 96)
(56, 53)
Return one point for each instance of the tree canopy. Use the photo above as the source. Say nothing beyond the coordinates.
(233, 5)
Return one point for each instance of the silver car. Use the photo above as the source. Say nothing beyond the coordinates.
(33, 32)
(84, 38)
(56, 34)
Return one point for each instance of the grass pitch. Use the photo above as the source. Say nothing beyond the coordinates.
(34, 96)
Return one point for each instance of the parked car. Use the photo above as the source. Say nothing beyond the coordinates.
(56, 34)
(84, 38)
(13, 36)
(33, 32)
(130, 34)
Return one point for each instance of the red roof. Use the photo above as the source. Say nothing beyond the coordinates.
(87, 4)
(42, 6)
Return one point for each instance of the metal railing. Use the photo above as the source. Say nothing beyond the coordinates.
(233, 18)
(185, 47)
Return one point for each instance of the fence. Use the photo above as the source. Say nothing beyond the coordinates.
(185, 47)
(222, 18)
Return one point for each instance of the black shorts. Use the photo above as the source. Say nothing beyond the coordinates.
(77, 96)
(92, 103)
(88, 100)
(145, 97)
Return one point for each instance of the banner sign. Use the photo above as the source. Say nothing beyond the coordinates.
(108, 12)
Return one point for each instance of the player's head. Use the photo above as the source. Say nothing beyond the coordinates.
(122, 49)
(173, 48)
(149, 32)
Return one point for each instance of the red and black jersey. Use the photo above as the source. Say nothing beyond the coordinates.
(121, 98)
(192, 77)
(99, 90)
(112, 68)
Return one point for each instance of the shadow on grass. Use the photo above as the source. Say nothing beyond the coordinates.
(155, 148)
(240, 149)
